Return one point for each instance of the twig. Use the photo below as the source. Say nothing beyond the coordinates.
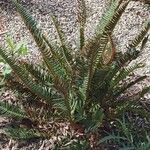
(1, 33)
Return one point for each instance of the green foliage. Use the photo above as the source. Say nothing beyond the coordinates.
(127, 136)
(79, 144)
(81, 14)
(79, 88)
(18, 49)
(21, 133)
(11, 110)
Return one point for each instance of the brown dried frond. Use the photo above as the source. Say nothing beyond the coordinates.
(110, 52)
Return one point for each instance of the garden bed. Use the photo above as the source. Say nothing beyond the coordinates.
(128, 26)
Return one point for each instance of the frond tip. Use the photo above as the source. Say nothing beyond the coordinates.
(21, 133)
(11, 110)
(81, 17)
(141, 35)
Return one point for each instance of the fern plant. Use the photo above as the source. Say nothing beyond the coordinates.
(85, 88)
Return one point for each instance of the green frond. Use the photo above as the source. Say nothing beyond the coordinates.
(45, 47)
(66, 53)
(39, 73)
(123, 73)
(42, 92)
(107, 16)
(132, 106)
(32, 26)
(22, 133)
(145, 91)
(59, 60)
(122, 60)
(93, 45)
(116, 16)
(10, 110)
(108, 75)
(81, 18)
(98, 45)
(94, 59)
(108, 28)
(59, 104)
(140, 36)
(124, 88)
(61, 37)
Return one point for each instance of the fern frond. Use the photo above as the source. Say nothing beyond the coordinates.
(140, 36)
(92, 46)
(32, 26)
(145, 91)
(124, 59)
(10, 110)
(115, 18)
(22, 133)
(123, 73)
(66, 53)
(45, 47)
(81, 15)
(107, 16)
(58, 61)
(108, 28)
(39, 73)
(124, 88)
(42, 92)
(120, 61)
(98, 45)
(132, 106)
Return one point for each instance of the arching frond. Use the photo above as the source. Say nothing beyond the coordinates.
(124, 59)
(145, 91)
(116, 16)
(141, 35)
(10, 110)
(43, 92)
(108, 28)
(81, 18)
(92, 46)
(65, 50)
(44, 45)
(58, 61)
(132, 106)
(123, 73)
(120, 61)
(124, 88)
(39, 73)
(22, 133)
(98, 44)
